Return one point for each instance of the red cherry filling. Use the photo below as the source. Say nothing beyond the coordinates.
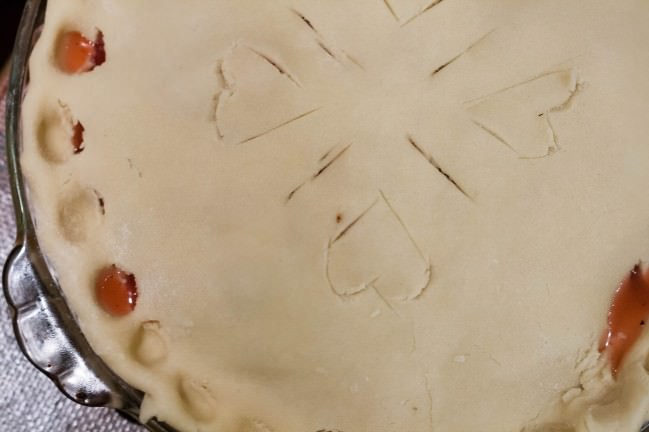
(77, 137)
(100, 50)
(626, 318)
(76, 54)
(116, 291)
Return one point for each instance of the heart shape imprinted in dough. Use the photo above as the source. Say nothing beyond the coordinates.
(391, 264)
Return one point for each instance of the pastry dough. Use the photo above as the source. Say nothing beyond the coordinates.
(368, 215)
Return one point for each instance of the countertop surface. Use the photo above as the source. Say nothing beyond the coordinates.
(29, 402)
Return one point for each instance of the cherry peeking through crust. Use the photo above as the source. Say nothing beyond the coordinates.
(77, 137)
(626, 317)
(77, 54)
(116, 291)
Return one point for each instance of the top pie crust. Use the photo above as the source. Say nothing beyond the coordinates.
(378, 215)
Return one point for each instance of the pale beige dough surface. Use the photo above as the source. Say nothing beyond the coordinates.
(380, 216)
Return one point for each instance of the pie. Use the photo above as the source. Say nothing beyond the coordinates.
(348, 216)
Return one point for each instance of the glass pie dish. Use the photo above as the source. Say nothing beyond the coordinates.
(45, 327)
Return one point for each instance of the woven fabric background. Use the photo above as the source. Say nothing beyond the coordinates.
(29, 402)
